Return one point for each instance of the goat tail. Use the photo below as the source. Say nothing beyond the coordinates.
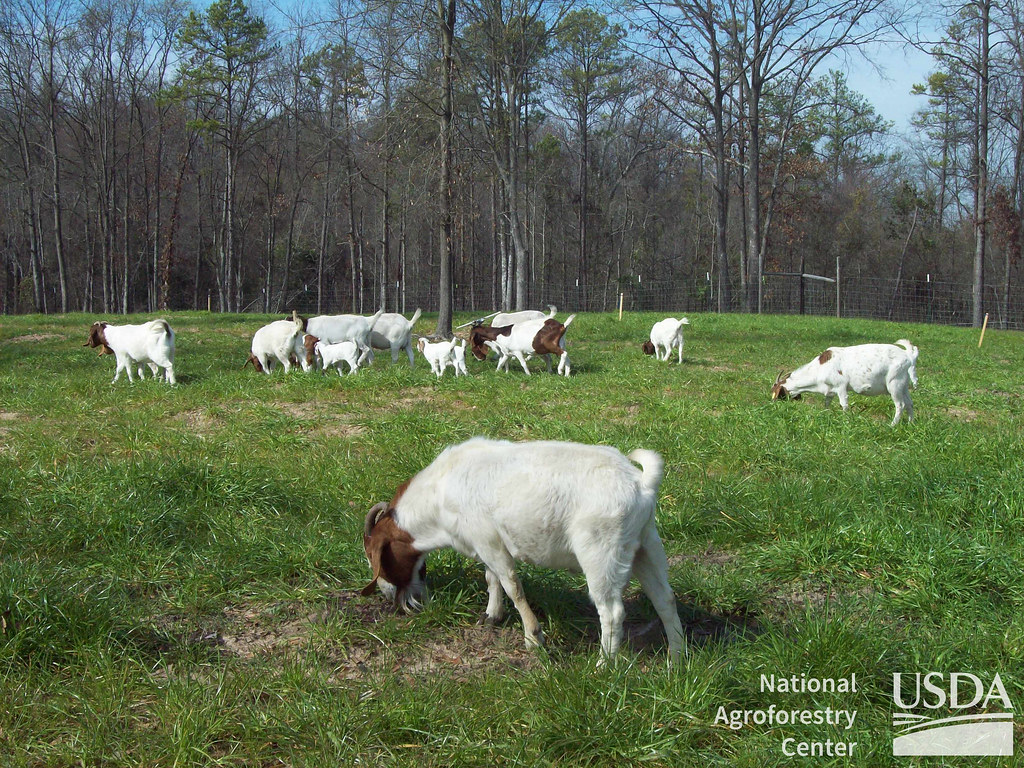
(416, 316)
(653, 466)
(911, 349)
(568, 320)
(376, 317)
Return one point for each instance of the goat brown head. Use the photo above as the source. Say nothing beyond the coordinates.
(399, 569)
(779, 391)
(98, 338)
(480, 333)
(648, 347)
(309, 343)
(255, 363)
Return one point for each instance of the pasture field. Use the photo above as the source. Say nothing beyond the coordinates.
(180, 567)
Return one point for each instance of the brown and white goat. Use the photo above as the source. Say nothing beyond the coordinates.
(867, 369)
(553, 504)
(534, 337)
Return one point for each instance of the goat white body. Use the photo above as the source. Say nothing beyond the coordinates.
(553, 504)
(151, 343)
(519, 343)
(331, 329)
(438, 354)
(280, 340)
(334, 355)
(457, 359)
(866, 369)
(666, 335)
(394, 332)
(511, 318)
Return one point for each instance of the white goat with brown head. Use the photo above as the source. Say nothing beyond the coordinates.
(554, 504)
(867, 369)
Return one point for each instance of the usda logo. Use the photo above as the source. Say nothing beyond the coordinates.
(950, 732)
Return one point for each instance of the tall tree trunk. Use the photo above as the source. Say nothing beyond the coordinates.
(981, 185)
(446, 10)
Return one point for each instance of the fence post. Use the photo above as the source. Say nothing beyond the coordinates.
(621, 296)
(839, 311)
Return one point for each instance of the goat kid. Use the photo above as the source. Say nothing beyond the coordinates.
(457, 359)
(331, 329)
(151, 343)
(534, 337)
(553, 504)
(666, 335)
(392, 331)
(335, 355)
(867, 369)
(438, 354)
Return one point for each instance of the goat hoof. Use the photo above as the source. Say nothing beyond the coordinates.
(487, 621)
(535, 641)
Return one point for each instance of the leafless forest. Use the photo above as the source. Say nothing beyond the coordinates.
(477, 154)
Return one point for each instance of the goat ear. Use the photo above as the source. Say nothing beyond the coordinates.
(373, 551)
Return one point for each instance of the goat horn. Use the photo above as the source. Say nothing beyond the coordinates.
(779, 377)
(372, 516)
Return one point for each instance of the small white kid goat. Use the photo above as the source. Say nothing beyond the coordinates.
(335, 355)
(333, 328)
(438, 354)
(666, 334)
(867, 369)
(457, 359)
(553, 504)
(151, 343)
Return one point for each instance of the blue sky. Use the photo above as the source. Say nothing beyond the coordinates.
(890, 91)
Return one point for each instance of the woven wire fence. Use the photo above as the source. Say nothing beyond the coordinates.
(921, 301)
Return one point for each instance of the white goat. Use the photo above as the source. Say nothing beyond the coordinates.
(334, 355)
(867, 369)
(334, 328)
(457, 359)
(533, 337)
(279, 340)
(511, 318)
(151, 343)
(553, 504)
(438, 354)
(666, 334)
(392, 331)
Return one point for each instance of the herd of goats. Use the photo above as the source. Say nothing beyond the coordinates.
(334, 341)
(555, 504)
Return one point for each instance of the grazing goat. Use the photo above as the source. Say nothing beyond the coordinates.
(666, 334)
(511, 318)
(281, 340)
(151, 343)
(334, 328)
(534, 337)
(553, 504)
(867, 369)
(438, 354)
(334, 355)
(392, 331)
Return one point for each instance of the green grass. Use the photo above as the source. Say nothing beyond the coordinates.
(179, 567)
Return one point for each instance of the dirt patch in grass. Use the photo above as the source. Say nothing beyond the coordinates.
(198, 421)
(34, 337)
(709, 556)
(962, 414)
(281, 630)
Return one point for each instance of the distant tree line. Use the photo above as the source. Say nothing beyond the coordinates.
(155, 155)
